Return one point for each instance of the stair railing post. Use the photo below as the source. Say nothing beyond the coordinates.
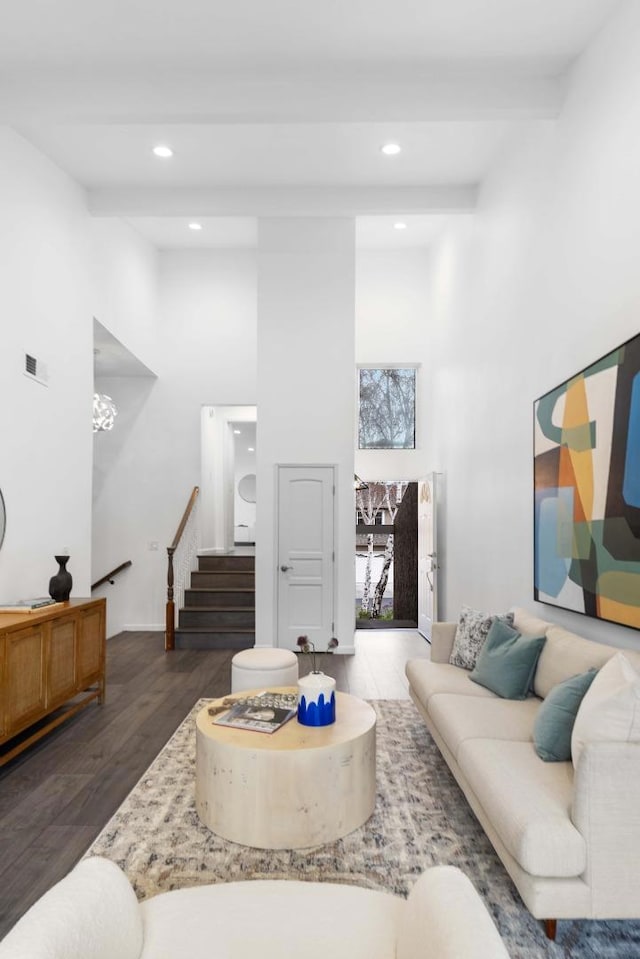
(187, 553)
(170, 620)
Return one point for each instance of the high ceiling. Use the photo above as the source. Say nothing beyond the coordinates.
(280, 107)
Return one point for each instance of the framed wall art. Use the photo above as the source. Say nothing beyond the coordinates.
(587, 490)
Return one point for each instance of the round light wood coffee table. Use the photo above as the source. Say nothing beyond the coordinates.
(300, 786)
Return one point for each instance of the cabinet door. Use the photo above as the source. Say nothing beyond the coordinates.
(3, 689)
(61, 660)
(24, 684)
(91, 646)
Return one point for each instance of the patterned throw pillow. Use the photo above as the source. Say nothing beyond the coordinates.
(471, 633)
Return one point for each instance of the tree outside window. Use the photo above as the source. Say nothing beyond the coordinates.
(387, 419)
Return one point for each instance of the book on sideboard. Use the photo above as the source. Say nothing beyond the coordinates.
(33, 605)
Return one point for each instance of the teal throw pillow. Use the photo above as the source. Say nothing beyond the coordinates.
(556, 716)
(507, 661)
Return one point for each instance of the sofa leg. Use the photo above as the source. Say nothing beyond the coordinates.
(551, 927)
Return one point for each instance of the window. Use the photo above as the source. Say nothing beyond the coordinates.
(387, 418)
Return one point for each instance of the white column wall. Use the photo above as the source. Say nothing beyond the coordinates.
(125, 287)
(306, 306)
(45, 310)
(393, 325)
(544, 282)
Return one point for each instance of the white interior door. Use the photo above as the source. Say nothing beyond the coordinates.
(305, 554)
(427, 554)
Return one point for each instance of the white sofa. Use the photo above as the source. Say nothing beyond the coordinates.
(569, 840)
(93, 914)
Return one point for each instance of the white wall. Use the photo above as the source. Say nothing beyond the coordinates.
(306, 293)
(125, 285)
(45, 309)
(543, 283)
(393, 325)
(205, 333)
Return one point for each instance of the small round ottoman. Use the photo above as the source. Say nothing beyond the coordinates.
(263, 668)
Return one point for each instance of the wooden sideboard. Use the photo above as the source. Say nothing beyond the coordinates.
(52, 664)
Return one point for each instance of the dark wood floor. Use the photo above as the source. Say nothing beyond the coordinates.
(56, 796)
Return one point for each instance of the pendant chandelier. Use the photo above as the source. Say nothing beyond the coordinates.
(104, 412)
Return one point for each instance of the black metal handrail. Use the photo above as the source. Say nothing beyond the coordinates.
(110, 576)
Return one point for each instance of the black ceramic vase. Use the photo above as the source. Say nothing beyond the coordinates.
(60, 584)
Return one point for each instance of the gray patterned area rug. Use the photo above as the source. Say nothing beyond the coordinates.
(421, 819)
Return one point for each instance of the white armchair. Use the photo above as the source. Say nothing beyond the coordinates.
(93, 913)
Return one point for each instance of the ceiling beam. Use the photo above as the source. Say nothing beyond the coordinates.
(281, 201)
(349, 97)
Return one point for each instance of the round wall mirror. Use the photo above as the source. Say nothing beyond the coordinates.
(247, 488)
(3, 518)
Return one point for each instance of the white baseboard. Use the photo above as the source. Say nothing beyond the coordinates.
(144, 627)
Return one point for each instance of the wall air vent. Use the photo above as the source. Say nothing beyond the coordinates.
(35, 370)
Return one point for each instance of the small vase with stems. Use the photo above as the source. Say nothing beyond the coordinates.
(316, 691)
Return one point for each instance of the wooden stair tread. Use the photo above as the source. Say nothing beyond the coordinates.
(219, 609)
(227, 572)
(219, 589)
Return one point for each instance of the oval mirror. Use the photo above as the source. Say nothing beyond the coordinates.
(3, 518)
(247, 488)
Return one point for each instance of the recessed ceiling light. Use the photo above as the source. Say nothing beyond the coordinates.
(250, 449)
(237, 432)
(399, 226)
(195, 226)
(391, 149)
(163, 151)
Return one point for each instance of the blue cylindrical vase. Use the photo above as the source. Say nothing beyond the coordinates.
(316, 700)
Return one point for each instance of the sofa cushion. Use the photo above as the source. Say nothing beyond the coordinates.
(528, 803)
(459, 718)
(471, 633)
(507, 661)
(427, 678)
(556, 716)
(528, 624)
(610, 710)
(272, 919)
(564, 655)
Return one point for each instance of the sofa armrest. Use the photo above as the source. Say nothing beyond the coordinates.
(445, 918)
(606, 810)
(93, 912)
(442, 637)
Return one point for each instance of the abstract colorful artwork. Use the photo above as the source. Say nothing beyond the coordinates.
(587, 490)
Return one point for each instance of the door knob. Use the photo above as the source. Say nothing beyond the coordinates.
(285, 568)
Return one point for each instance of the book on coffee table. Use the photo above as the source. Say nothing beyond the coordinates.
(264, 713)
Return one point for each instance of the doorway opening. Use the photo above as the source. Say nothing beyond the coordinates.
(228, 478)
(386, 555)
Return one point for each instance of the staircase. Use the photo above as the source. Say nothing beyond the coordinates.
(219, 610)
